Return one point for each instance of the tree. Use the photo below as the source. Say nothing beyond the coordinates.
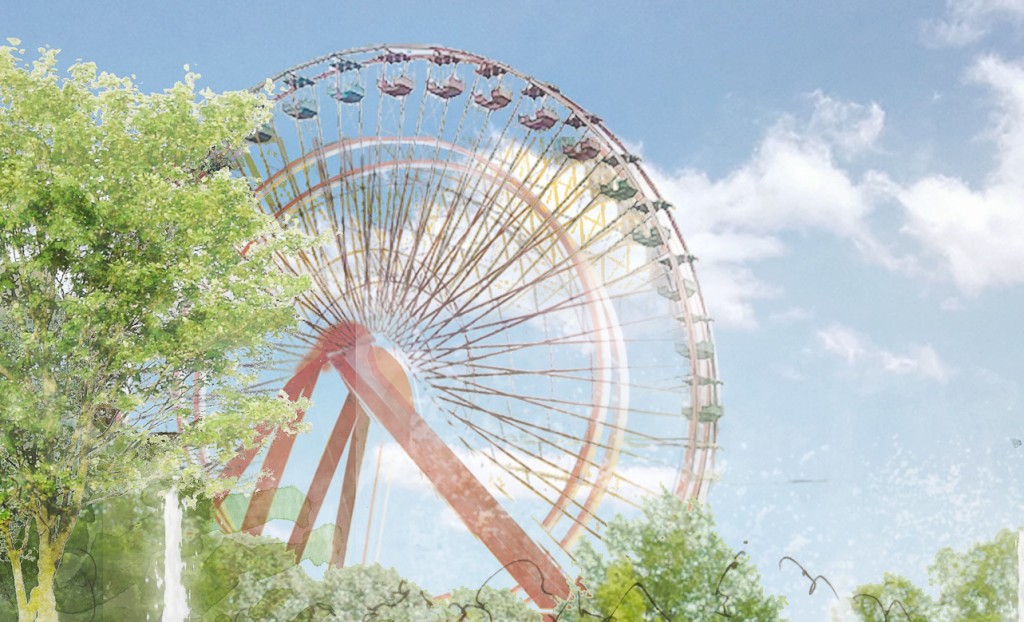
(888, 600)
(978, 585)
(116, 552)
(115, 555)
(487, 604)
(123, 290)
(669, 563)
(371, 593)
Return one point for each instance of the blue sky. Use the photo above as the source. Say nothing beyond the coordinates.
(851, 176)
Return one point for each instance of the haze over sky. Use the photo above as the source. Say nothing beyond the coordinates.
(851, 176)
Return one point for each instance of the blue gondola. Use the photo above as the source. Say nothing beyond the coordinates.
(262, 135)
(341, 65)
(302, 109)
(351, 94)
(297, 82)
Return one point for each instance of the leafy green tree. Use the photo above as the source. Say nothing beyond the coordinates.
(620, 595)
(669, 563)
(375, 594)
(977, 585)
(888, 600)
(980, 584)
(487, 604)
(370, 593)
(121, 279)
(115, 555)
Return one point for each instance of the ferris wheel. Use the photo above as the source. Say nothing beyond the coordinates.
(501, 291)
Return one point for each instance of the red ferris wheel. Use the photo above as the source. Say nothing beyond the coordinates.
(496, 282)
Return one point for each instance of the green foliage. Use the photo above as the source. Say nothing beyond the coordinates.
(487, 604)
(115, 555)
(368, 593)
(874, 600)
(123, 292)
(978, 585)
(619, 594)
(673, 551)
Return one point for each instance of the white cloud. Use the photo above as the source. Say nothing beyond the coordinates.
(792, 182)
(922, 361)
(969, 20)
(853, 128)
(856, 349)
(844, 342)
(978, 234)
(798, 179)
(791, 315)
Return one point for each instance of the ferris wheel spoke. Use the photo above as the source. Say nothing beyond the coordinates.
(504, 325)
(393, 214)
(503, 446)
(501, 348)
(447, 267)
(611, 227)
(532, 429)
(558, 506)
(484, 244)
(541, 233)
(512, 292)
(559, 373)
(483, 234)
(555, 270)
(574, 301)
(412, 270)
(559, 448)
(545, 401)
(442, 264)
(529, 203)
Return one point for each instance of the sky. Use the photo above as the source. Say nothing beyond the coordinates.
(851, 176)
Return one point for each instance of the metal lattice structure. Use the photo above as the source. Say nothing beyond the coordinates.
(497, 277)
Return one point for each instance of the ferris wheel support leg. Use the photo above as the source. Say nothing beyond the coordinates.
(301, 385)
(347, 504)
(329, 460)
(241, 461)
(381, 385)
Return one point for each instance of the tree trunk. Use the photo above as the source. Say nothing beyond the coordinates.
(19, 582)
(42, 602)
(14, 553)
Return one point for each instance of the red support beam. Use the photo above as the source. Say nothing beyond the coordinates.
(347, 505)
(301, 385)
(328, 464)
(378, 381)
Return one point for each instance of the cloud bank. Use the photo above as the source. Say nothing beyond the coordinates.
(801, 178)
